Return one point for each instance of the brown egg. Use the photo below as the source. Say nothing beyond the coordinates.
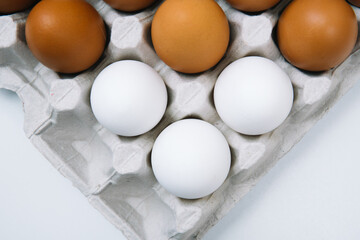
(11, 6)
(355, 2)
(190, 36)
(252, 5)
(129, 5)
(67, 36)
(317, 35)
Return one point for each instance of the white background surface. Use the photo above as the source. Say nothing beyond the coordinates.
(312, 193)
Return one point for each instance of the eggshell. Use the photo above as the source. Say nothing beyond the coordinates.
(317, 35)
(251, 5)
(11, 6)
(128, 98)
(129, 5)
(253, 95)
(191, 158)
(190, 36)
(65, 35)
(355, 2)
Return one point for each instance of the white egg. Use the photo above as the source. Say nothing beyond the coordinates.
(253, 95)
(191, 158)
(129, 98)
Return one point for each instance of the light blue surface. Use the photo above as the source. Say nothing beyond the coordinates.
(312, 193)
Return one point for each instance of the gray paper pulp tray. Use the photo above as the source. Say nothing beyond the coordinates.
(114, 172)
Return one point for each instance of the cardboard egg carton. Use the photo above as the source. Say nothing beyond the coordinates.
(114, 172)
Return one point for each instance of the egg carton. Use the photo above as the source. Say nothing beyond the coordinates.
(114, 172)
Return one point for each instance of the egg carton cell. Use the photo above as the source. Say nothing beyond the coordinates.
(114, 172)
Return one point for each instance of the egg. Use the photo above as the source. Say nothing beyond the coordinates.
(129, 5)
(355, 2)
(191, 159)
(190, 36)
(253, 95)
(128, 98)
(251, 5)
(317, 35)
(12, 6)
(67, 36)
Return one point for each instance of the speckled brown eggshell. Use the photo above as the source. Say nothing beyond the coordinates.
(317, 35)
(129, 5)
(67, 36)
(252, 5)
(12, 6)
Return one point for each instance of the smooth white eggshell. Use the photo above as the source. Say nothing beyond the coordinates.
(129, 98)
(253, 95)
(191, 158)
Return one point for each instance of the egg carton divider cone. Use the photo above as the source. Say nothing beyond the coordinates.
(114, 172)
